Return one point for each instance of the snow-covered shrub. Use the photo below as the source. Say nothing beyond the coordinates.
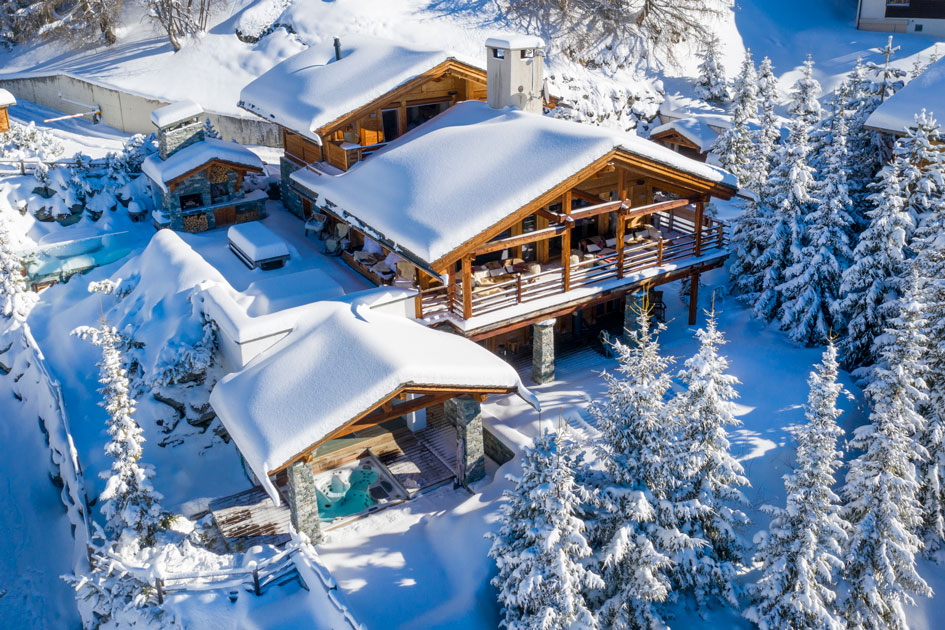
(800, 554)
(185, 362)
(29, 141)
(598, 101)
(15, 298)
(260, 19)
(540, 547)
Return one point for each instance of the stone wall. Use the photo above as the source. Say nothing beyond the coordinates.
(496, 450)
(290, 198)
(130, 112)
(203, 218)
(173, 139)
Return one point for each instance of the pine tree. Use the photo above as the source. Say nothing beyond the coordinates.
(712, 85)
(734, 147)
(791, 185)
(209, 130)
(129, 503)
(82, 21)
(710, 476)
(752, 228)
(636, 448)
(801, 553)
(812, 285)
(920, 159)
(881, 484)
(15, 298)
(540, 545)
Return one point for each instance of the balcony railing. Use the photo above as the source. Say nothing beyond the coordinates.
(524, 287)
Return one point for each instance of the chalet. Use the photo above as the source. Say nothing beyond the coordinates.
(693, 136)
(196, 181)
(338, 106)
(902, 16)
(315, 402)
(6, 100)
(512, 224)
(898, 112)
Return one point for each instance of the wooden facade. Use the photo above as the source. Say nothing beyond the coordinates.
(357, 134)
(4, 120)
(679, 143)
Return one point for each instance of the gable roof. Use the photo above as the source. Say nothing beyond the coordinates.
(339, 362)
(449, 180)
(310, 90)
(701, 131)
(898, 112)
(193, 156)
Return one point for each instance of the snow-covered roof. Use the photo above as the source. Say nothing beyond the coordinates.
(926, 91)
(339, 362)
(443, 183)
(174, 113)
(196, 155)
(257, 241)
(694, 130)
(311, 89)
(515, 41)
(6, 98)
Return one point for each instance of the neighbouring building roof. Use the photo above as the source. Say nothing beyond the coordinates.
(311, 89)
(175, 113)
(926, 91)
(702, 131)
(445, 182)
(339, 362)
(196, 155)
(6, 99)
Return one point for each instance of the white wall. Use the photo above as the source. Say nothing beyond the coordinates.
(129, 112)
(873, 18)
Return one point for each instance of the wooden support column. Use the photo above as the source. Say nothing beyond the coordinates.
(566, 243)
(621, 218)
(693, 298)
(451, 289)
(467, 287)
(700, 209)
(402, 115)
(541, 247)
(516, 231)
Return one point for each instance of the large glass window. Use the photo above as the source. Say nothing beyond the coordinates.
(419, 114)
(390, 119)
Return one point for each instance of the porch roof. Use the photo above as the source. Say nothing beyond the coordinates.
(312, 89)
(192, 157)
(339, 363)
(447, 181)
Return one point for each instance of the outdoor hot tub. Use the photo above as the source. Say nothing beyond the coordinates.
(355, 489)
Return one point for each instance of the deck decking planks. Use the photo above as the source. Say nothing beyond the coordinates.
(251, 518)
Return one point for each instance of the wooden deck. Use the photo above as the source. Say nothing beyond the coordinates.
(251, 518)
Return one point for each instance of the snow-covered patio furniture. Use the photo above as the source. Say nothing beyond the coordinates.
(257, 246)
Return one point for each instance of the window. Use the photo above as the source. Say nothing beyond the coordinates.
(218, 192)
(897, 3)
(918, 28)
(498, 53)
(528, 53)
(419, 114)
(188, 202)
(390, 121)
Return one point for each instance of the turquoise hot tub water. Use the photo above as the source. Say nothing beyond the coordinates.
(58, 261)
(353, 489)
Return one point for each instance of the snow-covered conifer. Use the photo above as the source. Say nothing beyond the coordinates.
(881, 484)
(791, 186)
(709, 476)
(800, 554)
(15, 298)
(735, 148)
(129, 503)
(540, 546)
(83, 21)
(812, 285)
(712, 84)
(920, 158)
(209, 130)
(769, 132)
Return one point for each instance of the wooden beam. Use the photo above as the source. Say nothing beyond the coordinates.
(586, 196)
(566, 257)
(550, 216)
(517, 230)
(700, 208)
(621, 218)
(661, 206)
(467, 287)
(693, 298)
(601, 208)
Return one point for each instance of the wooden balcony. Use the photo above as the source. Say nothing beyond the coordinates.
(679, 246)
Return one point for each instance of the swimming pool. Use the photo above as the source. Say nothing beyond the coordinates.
(56, 262)
(359, 487)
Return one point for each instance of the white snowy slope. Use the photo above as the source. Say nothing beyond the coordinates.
(312, 89)
(434, 188)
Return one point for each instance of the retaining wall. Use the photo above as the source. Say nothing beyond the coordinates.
(128, 111)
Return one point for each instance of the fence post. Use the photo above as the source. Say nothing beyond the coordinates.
(159, 585)
(418, 305)
(518, 288)
(659, 252)
(256, 589)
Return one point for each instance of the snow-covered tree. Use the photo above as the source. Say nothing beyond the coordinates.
(752, 229)
(635, 448)
(82, 20)
(881, 484)
(711, 84)
(812, 285)
(174, 16)
(735, 148)
(710, 477)
(540, 546)
(15, 298)
(129, 503)
(209, 130)
(800, 554)
(790, 186)
(920, 158)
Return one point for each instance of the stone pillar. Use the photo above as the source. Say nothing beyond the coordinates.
(465, 414)
(290, 198)
(543, 351)
(631, 311)
(303, 500)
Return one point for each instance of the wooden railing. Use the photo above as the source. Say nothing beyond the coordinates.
(441, 300)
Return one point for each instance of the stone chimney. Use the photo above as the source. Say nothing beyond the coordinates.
(179, 125)
(515, 71)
